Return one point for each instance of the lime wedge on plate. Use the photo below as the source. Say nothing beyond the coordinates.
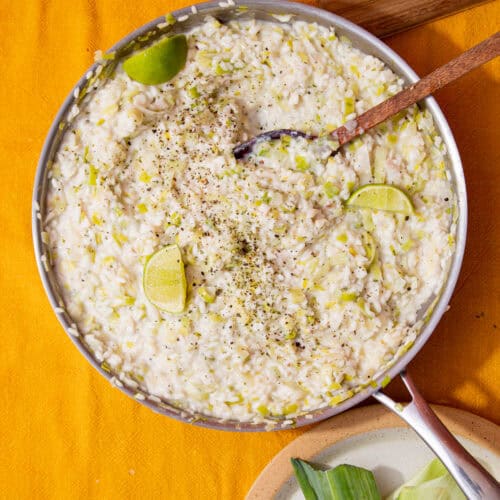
(158, 63)
(164, 280)
(381, 197)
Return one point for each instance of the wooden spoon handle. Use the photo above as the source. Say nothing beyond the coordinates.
(465, 62)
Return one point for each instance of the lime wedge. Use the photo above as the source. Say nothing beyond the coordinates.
(158, 63)
(164, 279)
(381, 197)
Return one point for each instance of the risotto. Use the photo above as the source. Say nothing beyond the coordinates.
(294, 301)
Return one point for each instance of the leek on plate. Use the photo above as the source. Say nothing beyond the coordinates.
(434, 481)
(344, 482)
(348, 482)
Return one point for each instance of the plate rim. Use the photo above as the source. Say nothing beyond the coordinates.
(360, 421)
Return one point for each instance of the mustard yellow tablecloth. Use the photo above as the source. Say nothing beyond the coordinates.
(64, 431)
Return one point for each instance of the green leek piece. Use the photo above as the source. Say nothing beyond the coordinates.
(370, 248)
(301, 163)
(330, 189)
(348, 297)
(434, 481)
(206, 295)
(92, 175)
(344, 482)
(375, 270)
(380, 164)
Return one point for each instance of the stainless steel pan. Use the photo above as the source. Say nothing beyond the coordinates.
(471, 477)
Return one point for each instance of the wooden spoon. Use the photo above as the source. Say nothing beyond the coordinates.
(465, 62)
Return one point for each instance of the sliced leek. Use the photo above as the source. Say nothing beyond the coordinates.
(344, 482)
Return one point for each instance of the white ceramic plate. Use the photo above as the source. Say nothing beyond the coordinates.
(374, 438)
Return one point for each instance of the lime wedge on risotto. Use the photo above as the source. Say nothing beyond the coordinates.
(164, 280)
(381, 197)
(158, 63)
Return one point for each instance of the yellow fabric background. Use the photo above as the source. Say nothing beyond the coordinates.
(65, 432)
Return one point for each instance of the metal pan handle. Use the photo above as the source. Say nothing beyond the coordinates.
(474, 480)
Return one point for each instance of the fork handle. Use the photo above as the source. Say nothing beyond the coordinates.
(474, 480)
